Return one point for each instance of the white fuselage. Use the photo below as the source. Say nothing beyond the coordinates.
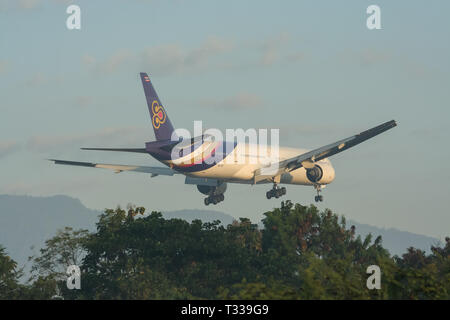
(240, 164)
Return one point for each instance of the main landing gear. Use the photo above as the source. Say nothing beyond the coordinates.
(214, 199)
(319, 197)
(276, 192)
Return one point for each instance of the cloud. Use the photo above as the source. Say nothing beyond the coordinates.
(243, 100)
(27, 4)
(106, 137)
(373, 57)
(313, 130)
(295, 57)
(172, 58)
(212, 46)
(8, 147)
(110, 64)
(269, 57)
(88, 60)
(37, 79)
(6, 5)
(49, 187)
(83, 101)
(368, 57)
(162, 59)
(115, 62)
(270, 48)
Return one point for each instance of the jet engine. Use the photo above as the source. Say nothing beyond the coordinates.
(321, 174)
(314, 174)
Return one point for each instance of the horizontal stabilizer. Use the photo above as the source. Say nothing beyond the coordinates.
(155, 171)
(136, 150)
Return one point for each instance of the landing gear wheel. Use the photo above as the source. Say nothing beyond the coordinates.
(214, 199)
(275, 192)
(319, 197)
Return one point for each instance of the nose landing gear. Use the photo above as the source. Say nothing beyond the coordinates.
(214, 199)
(276, 192)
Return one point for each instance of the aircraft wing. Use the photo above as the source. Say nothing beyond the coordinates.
(155, 171)
(307, 159)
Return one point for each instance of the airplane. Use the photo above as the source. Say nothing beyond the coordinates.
(293, 166)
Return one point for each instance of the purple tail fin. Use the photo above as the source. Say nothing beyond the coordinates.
(160, 121)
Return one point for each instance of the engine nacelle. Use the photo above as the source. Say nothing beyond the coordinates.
(210, 190)
(323, 173)
(314, 174)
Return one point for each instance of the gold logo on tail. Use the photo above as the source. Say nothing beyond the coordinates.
(159, 116)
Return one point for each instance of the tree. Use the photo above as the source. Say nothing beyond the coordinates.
(62, 250)
(424, 276)
(9, 277)
(198, 257)
(315, 251)
(273, 290)
(301, 253)
(66, 248)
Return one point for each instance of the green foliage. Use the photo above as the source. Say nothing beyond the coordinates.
(301, 253)
(9, 275)
(196, 256)
(43, 288)
(272, 290)
(314, 251)
(61, 251)
(422, 276)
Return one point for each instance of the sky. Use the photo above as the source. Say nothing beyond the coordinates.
(310, 68)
